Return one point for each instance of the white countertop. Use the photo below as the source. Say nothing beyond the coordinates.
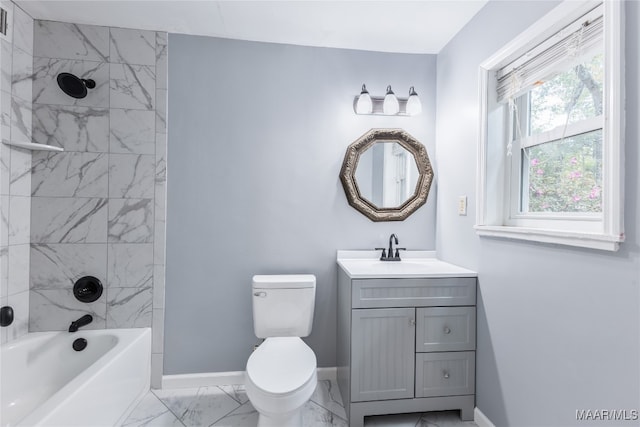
(414, 264)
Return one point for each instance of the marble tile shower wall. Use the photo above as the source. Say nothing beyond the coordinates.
(98, 208)
(16, 62)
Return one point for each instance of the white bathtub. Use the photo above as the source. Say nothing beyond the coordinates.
(44, 382)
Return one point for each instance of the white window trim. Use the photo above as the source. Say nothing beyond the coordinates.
(492, 185)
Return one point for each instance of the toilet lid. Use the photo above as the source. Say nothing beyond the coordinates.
(281, 365)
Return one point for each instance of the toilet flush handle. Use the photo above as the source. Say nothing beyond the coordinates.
(260, 294)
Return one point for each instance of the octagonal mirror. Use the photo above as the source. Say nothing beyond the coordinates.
(386, 174)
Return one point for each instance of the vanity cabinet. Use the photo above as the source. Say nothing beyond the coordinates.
(406, 345)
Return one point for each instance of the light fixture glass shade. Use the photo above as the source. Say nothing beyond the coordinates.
(364, 104)
(414, 106)
(390, 105)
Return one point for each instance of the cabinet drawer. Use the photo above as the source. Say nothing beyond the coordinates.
(445, 374)
(446, 329)
(375, 293)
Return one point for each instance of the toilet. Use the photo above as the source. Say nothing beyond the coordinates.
(281, 373)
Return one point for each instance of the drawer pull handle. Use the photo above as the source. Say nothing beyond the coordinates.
(447, 330)
(260, 294)
(445, 374)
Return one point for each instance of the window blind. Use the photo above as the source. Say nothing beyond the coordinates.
(551, 56)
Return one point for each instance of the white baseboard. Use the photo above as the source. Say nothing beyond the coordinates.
(224, 378)
(481, 419)
(202, 379)
(327, 373)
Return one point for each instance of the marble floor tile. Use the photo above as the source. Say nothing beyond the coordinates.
(198, 407)
(228, 406)
(314, 415)
(328, 396)
(244, 416)
(153, 413)
(236, 391)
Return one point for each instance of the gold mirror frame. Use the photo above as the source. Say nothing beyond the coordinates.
(350, 163)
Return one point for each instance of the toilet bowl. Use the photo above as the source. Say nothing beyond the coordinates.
(281, 373)
(280, 379)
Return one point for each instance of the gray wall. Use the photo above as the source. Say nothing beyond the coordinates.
(558, 327)
(257, 134)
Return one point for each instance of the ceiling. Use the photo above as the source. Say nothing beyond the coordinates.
(423, 26)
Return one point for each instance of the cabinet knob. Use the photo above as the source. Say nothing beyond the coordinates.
(447, 330)
(412, 322)
(445, 374)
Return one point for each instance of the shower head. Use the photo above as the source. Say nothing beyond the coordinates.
(74, 86)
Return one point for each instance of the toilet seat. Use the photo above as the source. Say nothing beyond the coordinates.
(281, 366)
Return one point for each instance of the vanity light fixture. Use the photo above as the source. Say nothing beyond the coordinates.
(364, 104)
(389, 105)
(414, 106)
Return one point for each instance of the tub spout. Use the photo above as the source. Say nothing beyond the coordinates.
(83, 321)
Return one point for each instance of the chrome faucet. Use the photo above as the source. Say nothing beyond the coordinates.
(83, 321)
(390, 255)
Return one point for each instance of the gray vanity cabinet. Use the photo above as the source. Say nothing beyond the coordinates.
(406, 345)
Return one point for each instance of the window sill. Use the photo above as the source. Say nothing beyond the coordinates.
(584, 240)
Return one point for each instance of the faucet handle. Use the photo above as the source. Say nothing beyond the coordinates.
(384, 252)
(398, 251)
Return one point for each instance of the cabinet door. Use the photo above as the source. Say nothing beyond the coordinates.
(382, 354)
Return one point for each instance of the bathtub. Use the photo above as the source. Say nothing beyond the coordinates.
(45, 382)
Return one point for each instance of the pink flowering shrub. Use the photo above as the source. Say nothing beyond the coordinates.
(565, 176)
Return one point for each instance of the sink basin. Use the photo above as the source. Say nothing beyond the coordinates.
(357, 265)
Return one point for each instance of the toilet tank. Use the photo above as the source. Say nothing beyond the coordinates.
(283, 305)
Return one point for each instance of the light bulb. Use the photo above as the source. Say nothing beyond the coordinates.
(364, 104)
(414, 106)
(390, 105)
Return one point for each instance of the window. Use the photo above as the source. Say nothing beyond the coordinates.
(550, 158)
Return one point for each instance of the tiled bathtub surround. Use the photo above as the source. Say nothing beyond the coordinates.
(16, 64)
(98, 207)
